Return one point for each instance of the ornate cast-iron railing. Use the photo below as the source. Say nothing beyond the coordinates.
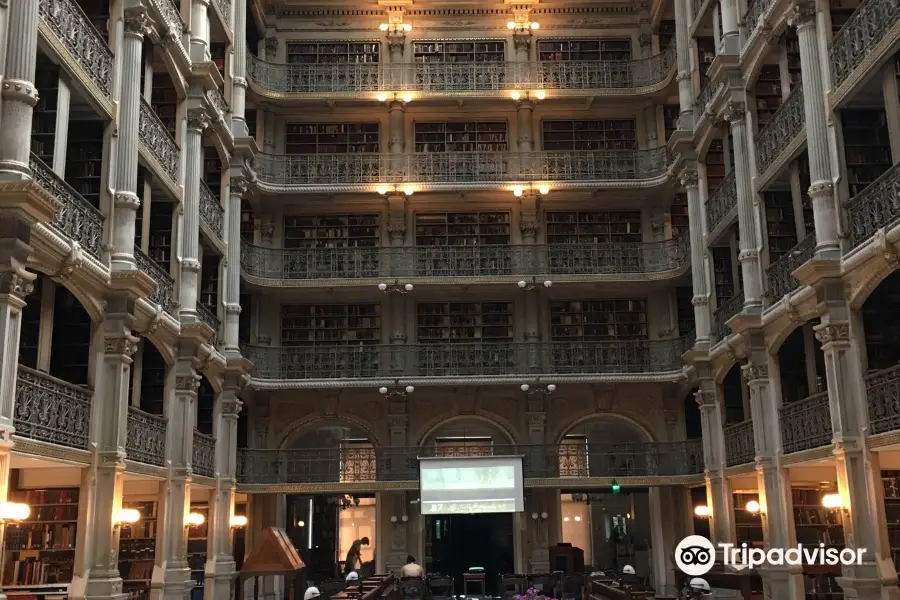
(76, 219)
(208, 318)
(164, 294)
(860, 36)
(466, 359)
(460, 167)
(79, 36)
(877, 206)
(755, 10)
(721, 201)
(211, 210)
(465, 78)
(203, 454)
(723, 314)
(740, 448)
(51, 410)
(465, 261)
(218, 101)
(224, 7)
(145, 440)
(172, 16)
(806, 424)
(367, 464)
(707, 93)
(883, 392)
(157, 139)
(780, 273)
(786, 124)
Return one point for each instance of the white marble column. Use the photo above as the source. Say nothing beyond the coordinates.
(690, 181)
(200, 31)
(683, 62)
(197, 121)
(4, 15)
(731, 43)
(61, 139)
(239, 72)
(525, 125)
(125, 198)
(397, 126)
(736, 114)
(821, 189)
(718, 490)
(19, 93)
(237, 189)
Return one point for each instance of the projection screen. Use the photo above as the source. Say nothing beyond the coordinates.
(477, 484)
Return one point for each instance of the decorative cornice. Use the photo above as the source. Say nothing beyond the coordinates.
(753, 373)
(833, 332)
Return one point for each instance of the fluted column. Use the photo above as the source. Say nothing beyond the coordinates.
(200, 31)
(776, 505)
(690, 180)
(237, 188)
(197, 121)
(18, 92)
(821, 189)
(239, 71)
(731, 43)
(126, 199)
(718, 490)
(524, 121)
(736, 114)
(683, 61)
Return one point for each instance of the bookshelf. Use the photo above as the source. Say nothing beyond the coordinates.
(97, 12)
(137, 550)
(160, 247)
(331, 138)
(474, 136)
(768, 93)
(666, 33)
(464, 322)
(671, 112)
(153, 379)
(212, 170)
(866, 146)
(684, 308)
(891, 481)
(71, 338)
(616, 134)
(715, 165)
(584, 49)
(723, 274)
(196, 549)
(331, 231)
(330, 324)
(217, 52)
(593, 227)
(40, 551)
(840, 12)
(209, 282)
(462, 229)
(748, 525)
(706, 53)
(247, 225)
(84, 159)
(43, 124)
(803, 170)
(780, 224)
(792, 48)
(31, 327)
(679, 216)
(330, 52)
(164, 102)
(462, 51)
(598, 320)
(814, 523)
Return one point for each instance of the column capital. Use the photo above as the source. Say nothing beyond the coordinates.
(689, 178)
(802, 14)
(15, 281)
(530, 228)
(239, 185)
(830, 333)
(522, 39)
(138, 24)
(396, 40)
(121, 346)
(753, 373)
(735, 112)
(197, 119)
(706, 398)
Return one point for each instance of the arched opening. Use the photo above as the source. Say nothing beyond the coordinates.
(881, 359)
(467, 436)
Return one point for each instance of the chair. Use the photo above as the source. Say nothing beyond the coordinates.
(441, 587)
(413, 588)
(572, 587)
(474, 583)
(545, 584)
(511, 585)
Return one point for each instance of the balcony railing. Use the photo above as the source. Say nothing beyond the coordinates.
(365, 465)
(51, 410)
(81, 39)
(208, 318)
(224, 7)
(465, 261)
(875, 207)
(203, 454)
(466, 359)
(216, 98)
(806, 424)
(780, 273)
(170, 12)
(157, 139)
(860, 36)
(76, 219)
(460, 78)
(883, 392)
(434, 169)
(786, 124)
(740, 448)
(721, 201)
(755, 10)
(211, 211)
(145, 440)
(723, 314)
(707, 93)
(164, 294)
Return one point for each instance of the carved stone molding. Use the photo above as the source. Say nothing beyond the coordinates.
(530, 228)
(802, 14)
(122, 346)
(17, 282)
(231, 408)
(138, 24)
(239, 185)
(197, 119)
(833, 332)
(187, 383)
(689, 178)
(754, 372)
(824, 190)
(705, 397)
(735, 112)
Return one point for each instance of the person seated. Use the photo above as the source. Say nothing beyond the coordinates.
(411, 569)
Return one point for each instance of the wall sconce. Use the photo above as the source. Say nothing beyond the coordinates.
(11, 512)
(301, 524)
(753, 507)
(519, 190)
(523, 26)
(397, 391)
(127, 516)
(833, 502)
(543, 516)
(702, 511)
(387, 288)
(533, 284)
(403, 519)
(395, 28)
(385, 190)
(195, 520)
(407, 97)
(538, 388)
(238, 521)
(528, 95)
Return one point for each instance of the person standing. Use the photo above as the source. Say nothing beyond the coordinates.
(354, 555)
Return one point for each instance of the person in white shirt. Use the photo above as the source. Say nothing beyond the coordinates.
(411, 569)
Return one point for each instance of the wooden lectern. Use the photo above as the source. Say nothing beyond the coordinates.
(273, 554)
(567, 559)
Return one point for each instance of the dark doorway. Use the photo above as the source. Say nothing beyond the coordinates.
(454, 543)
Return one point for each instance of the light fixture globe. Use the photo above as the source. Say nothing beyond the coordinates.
(408, 287)
(511, 25)
(534, 516)
(407, 27)
(540, 96)
(383, 27)
(522, 284)
(404, 518)
(14, 511)
(535, 25)
(127, 516)
(544, 515)
(832, 501)
(702, 511)
(544, 189)
(195, 519)
(752, 507)
(524, 387)
(516, 95)
(551, 387)
(382, 286)
(238, 521)
(382, 390)
(548, 283)
(410, 389)
(393, 518)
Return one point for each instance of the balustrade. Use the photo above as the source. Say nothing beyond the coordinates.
(224, 7)
(211, 211)
(216, 99)
(755, 10)
(786, 124)
(172, 16)
(780, 274)
(883, 392)
(158, 141)
(722, 201)
(877, 206)
(145, 439)
(203, 454)
(368, 464)
(164, 294)
(806, 424)
(723, 314)
(75, 32)
(740, 448)
(861, 35)
(707, 94)
(466, 359)
(76, 219)
(51, 410)
(208, 318)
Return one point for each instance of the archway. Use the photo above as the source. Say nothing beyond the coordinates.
(467, 436)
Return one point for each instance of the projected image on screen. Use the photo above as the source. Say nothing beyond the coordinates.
(471, 485)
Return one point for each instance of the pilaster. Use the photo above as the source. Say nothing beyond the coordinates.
(19, 95)
(525, 122)
(197, 121)
(690, 181)
(718, 491)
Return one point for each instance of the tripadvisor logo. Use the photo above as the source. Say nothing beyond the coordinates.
(695, 556)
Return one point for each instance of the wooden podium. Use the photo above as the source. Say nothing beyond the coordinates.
(273, 554)
(568, 559)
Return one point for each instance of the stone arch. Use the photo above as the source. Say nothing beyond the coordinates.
(311, 423)
(872, 278)
(489, 423)
(610, 419)
(92, 303)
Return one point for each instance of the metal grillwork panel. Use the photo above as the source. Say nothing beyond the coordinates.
(707, 94)
(875, 207)
(786, 124)
(164, 294)
(755, 10)
(211, 211)
(780, 273)
(722, 201)
(740, 448)
(723, 314)
(79, 36)
(203, 454)
(157, 139)
(76, 219)
(860, 36)
(883, 392)
(806, 424)
(145, 440)
(51, 410)
(210, 320)
(172, 16)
